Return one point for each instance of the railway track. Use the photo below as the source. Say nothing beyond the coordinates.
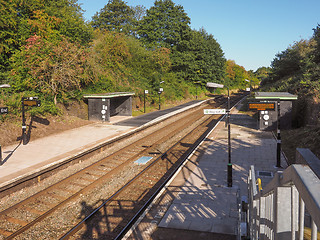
(167, 147)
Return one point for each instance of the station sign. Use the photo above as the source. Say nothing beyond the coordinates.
(214, 111)
(4, 110)
(262, 106)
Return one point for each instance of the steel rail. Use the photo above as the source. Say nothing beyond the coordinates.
(111, 198)
(136, 217)
(138, 176)
(47, 190)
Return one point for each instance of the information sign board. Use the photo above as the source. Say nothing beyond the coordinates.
(214, 111)
(31, 103)
(4, 110)
(262, 106)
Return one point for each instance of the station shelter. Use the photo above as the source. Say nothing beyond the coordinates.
(268, 118)
(103, 106)
(213, 86)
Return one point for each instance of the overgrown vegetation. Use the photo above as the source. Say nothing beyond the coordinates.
(297, 70)
(48, 50)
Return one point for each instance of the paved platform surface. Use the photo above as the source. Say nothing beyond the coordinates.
(149, 117)
(20, 161)
(204, 203)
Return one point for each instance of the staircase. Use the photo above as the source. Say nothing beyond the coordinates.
(287, 205)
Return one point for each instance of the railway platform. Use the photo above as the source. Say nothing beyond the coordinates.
(23, 162)
(197, 203)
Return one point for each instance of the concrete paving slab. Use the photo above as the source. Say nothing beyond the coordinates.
(37, 153)
(205, 201)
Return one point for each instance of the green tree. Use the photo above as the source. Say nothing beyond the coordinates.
(263, 74)
(316, 37)
(292, 60)
(199, 58)
(164, 25)
(8, 26)
(139, 12)
(72, 24)
(115, 16)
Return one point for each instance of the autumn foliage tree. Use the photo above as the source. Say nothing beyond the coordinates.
(49, 68)
(238, 77)
(48, 49)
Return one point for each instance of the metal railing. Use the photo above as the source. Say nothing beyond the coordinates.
(278, 211)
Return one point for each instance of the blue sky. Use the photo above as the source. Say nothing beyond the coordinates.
(251, 32)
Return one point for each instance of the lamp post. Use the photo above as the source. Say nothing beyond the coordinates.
(160, 91)
(6, 111)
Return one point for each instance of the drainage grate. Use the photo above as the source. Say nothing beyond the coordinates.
(265, 174)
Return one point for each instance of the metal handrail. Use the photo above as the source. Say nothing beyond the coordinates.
(301, 179)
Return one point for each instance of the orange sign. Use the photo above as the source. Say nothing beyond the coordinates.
(261, 106)
(31, 103)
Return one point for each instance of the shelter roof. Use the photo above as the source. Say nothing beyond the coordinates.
(109, 95)
(275, 95)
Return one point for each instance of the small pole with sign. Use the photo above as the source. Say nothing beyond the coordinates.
(3, 110)
(159, 98)
(144, 101)
(278, 136)
(160, 91)
(229, 144)
(30, 102)
(24, 127)
(223, 111)
(197, 83)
